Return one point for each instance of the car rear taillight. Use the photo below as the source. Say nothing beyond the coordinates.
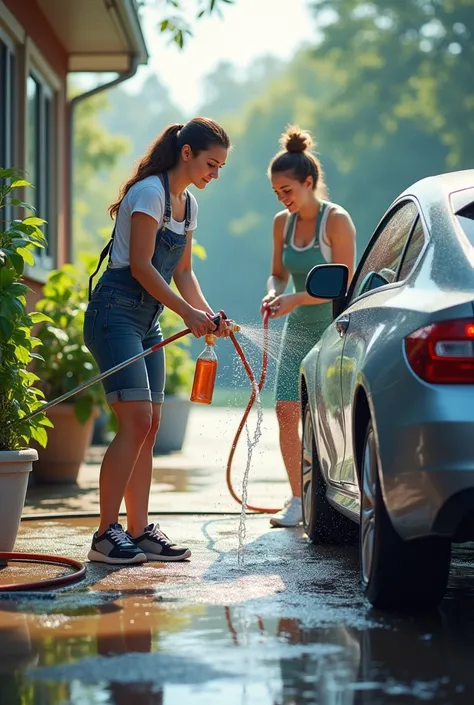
(443, 353)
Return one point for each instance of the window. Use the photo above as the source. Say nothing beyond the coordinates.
(466, 219)
(41, 159)
(383, 256)
(7, 111)
(413, 250)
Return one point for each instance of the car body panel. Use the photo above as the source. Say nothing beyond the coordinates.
(425, 432)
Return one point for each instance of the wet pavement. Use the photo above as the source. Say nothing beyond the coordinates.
(287, 627)
(189, 481)
(284, 625)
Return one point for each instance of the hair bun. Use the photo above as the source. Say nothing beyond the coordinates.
(296, 140)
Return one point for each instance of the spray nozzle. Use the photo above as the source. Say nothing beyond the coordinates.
(231, 325)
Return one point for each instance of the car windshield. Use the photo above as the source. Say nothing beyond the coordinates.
(466, 220)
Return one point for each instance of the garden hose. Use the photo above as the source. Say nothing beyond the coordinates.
(79, 568)
(58, 581)
(256, 388)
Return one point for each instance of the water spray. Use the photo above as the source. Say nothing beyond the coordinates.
(202, 392)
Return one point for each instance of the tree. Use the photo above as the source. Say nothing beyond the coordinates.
(401, 61)
(177, 24)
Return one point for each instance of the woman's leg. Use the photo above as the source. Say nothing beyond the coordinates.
(288, 415)
(134, 425)
(137, 494)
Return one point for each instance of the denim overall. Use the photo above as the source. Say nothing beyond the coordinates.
(121, 319)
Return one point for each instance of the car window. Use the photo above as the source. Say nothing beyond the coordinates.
(385, 251)
(412, 252)
(466, 220)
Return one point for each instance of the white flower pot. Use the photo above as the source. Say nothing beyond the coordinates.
(15, 467)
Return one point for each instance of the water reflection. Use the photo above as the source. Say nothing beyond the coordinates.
(136, 650)
(130, 646)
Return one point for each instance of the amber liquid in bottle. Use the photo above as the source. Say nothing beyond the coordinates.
(205, 373)
(204, 379)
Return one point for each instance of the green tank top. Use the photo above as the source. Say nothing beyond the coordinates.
(298, 261)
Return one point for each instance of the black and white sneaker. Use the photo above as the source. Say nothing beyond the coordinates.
(157, 546)
(114, 546)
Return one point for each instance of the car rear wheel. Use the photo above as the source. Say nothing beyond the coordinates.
(323, 524)
(395, 573)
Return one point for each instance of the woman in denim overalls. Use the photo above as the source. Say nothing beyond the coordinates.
(151, 243)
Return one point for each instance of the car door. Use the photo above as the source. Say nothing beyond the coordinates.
(330, 417)
(388, 255)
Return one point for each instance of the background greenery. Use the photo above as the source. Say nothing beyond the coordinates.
(387, 89)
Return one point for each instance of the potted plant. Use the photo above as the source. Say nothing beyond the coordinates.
(179, 377)
(66, 363)
(19, 395)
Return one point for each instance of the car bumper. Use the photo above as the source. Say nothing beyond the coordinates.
(427, 464)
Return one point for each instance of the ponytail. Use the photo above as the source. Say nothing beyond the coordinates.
(161, 156)
(199, 133)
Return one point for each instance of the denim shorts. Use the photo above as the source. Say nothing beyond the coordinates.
(119, 324)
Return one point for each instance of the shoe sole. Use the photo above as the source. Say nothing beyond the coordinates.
(281, 524)
(97, 557)
(157, 557)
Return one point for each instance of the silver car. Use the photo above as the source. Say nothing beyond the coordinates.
(387, 397)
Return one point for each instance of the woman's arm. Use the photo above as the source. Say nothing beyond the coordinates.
(278, 279)
(142, 247)
(186, 281)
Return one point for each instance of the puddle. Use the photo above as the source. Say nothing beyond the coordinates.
(108, 648)
(288, 628)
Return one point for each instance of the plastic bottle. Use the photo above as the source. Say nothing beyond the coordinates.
(205, 373)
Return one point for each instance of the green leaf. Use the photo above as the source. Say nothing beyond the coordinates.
(83, 408)
(34, 220)
(27, 256)
(6, 328)
(9, 173)
(199, 251)
(18, 183)
(7, 277)
(40, 435)
(22, 354)
(18, 202)
(17, 289)
(37, 317)
(18, 263)
(46, 422)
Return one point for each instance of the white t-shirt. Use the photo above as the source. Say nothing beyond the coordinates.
(146, 196)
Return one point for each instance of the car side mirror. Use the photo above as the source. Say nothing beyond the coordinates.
(372, 281)
(327, 281)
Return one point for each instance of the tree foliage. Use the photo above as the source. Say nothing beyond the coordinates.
(176, 14)
(387, 90)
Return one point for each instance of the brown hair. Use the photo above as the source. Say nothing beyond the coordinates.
(199, 133)
(298, 158)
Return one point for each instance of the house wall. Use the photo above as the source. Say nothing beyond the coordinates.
(39, 55)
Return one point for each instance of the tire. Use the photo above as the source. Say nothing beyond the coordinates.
(395, 574)
(322, 522)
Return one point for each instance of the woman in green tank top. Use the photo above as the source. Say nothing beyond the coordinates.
(310, 231)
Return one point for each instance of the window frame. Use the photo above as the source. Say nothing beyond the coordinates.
(418, 219)
(375, 237)
(45, 177)
(37, 67)
(10, 133)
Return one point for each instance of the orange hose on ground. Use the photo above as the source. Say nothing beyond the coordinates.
(79, 571)
(255, 386)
